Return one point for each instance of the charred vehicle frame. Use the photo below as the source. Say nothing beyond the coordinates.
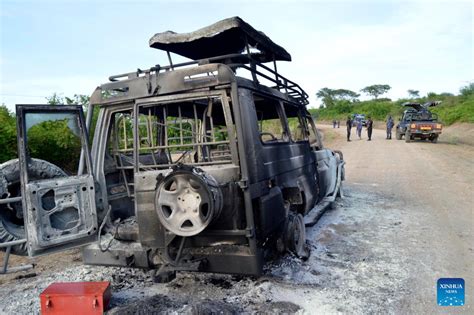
(192, 167)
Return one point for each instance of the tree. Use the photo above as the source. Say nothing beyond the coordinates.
(343, 94)
(77, 99)
(7, 135)
(54, 99)
(467, 90)
(330, 96)
(327, 96)
(431, 95)
(413, 93)
(376, 90)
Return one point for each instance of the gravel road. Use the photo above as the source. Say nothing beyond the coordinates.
(406, 220)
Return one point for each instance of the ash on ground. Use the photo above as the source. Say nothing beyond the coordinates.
(352, 269)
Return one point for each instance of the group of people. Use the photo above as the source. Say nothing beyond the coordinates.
(359, 125)
(369, 126)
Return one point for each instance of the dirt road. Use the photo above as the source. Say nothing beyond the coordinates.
(427, 190)
(406, 220)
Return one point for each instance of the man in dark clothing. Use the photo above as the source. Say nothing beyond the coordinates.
(334, 123)
(349, 126)
(389, 127)
(370, 125)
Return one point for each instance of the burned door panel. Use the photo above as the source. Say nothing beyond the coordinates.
(327, 171)
(59, 212)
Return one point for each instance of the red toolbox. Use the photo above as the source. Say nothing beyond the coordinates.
(75, 298)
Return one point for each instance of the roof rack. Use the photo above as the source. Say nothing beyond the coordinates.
(249, 62)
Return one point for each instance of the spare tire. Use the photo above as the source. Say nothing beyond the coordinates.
(187, 200)
(11, 215)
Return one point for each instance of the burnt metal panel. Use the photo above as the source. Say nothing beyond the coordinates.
(271, 211)
(162, 83)
(225, 37)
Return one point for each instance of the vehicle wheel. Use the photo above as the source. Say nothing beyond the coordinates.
(187, 200)
(407, 136)
(398, 135)
(296, 236)
(11, 215)
(434, 139)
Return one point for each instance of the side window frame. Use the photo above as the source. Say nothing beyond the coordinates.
(282, 117)
(302, 122)
(319, 144)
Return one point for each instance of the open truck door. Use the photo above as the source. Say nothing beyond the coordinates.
(60, 212)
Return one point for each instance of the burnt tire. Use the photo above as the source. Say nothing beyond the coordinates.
(11, 215)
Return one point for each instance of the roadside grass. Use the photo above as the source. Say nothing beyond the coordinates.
(452, 109)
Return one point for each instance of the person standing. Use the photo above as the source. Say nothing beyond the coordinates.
(338, 123)
(349, 126)
(370, 125)
(334, 123)
(389, 127)
(359, 128)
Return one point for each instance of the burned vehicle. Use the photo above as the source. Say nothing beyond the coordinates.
(191, 167)
(418, 122)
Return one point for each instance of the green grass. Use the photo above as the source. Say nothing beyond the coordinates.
(457, 112)
(452, 109)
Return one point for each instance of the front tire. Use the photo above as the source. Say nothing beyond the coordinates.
(407, 136)
(398, 135)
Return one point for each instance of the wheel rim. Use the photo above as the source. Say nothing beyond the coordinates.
(184, 205)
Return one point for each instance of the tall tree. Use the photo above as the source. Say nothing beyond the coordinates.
(376, 90)
(343, 94)
(413, 93)
(327, 96)
(331, 96)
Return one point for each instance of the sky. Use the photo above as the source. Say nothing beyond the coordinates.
(71, 47)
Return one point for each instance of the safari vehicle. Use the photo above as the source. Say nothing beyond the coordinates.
(191, 166)
(418, 122)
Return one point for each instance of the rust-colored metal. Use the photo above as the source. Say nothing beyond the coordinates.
(76, 298)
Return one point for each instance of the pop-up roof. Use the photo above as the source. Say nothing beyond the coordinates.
(418, 106)
(229, 36)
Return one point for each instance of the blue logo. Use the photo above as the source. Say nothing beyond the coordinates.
(451, 291)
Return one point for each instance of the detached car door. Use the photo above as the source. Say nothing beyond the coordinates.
(59, 212)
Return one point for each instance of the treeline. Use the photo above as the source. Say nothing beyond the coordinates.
(339, 103)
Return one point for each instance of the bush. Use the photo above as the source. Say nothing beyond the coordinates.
(7, 135)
